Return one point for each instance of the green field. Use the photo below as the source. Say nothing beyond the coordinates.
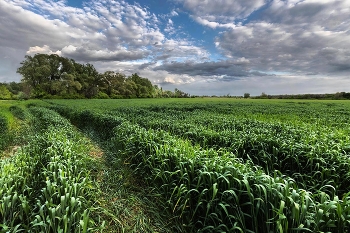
(175, 165)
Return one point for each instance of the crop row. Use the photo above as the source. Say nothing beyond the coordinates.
(12, 125)
(46, 186)
(316, 157)
(212, 190)
(318, 113)
(4, 134)
(216, 191)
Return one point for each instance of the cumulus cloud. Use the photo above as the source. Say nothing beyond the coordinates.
(45, 49)
(96, 31)
(295, 37)
(22, 28)
(241, 61)
(170, 27)
(87, 54)
(223, 9)
(213, 24)
(174, 13)
(169, 80)
(102, 31)
(267, 44)
(223, 14)
(178, 50)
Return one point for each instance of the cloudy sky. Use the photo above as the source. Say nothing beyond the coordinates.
(203, 47)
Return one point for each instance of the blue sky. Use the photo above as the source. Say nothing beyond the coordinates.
(202, 47)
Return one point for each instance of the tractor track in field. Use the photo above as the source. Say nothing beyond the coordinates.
(125, 204)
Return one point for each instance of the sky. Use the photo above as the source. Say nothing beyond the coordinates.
(202, 47)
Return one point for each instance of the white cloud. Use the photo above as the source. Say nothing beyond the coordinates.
(169, 80)
(232, 9)
(294, 37)
(265, 45)
(86, 54)
(45, 49)
(102, 25)
(170, 27)
(221, 13)
(179, 50)
(21, 28)
(241, 61)
(173, 13)
(213, 24)
(102, 30)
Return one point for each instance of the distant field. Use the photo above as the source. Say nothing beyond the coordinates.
(330, 112)
(222, 165)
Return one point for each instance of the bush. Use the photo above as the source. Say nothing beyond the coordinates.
(22, 96)
(101, 95)
(114, 96)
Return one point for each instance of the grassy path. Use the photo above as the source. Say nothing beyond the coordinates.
(125, 203)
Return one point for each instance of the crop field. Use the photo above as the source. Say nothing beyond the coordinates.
(175, 165)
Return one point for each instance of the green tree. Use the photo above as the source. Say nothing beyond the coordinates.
(14, 87)
(49, 74)
(5, 94)
(144, 87)
(157, 92)
(33, 71)
(264, 95)
(112, 83)
(168, 94)
(90, 80)
(129, 89)
(180, 94)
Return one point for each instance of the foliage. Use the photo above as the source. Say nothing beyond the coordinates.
(335, 96)
(233, 166)
(18, 112)
(46, 186)
(8, 126)
(3, 132)
(5, 94)
(52, 76)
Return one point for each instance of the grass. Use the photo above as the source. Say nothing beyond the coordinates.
(208, 165)
(276, 135)
(109, 195)
(46, 185)
(211, 191)
(125, 202)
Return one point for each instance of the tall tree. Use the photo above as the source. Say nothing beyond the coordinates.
(112, 83)
(144, 87)
(90, 80)
(49, 74)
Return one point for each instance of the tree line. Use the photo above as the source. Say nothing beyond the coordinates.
(327, 96)
(53, 76)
